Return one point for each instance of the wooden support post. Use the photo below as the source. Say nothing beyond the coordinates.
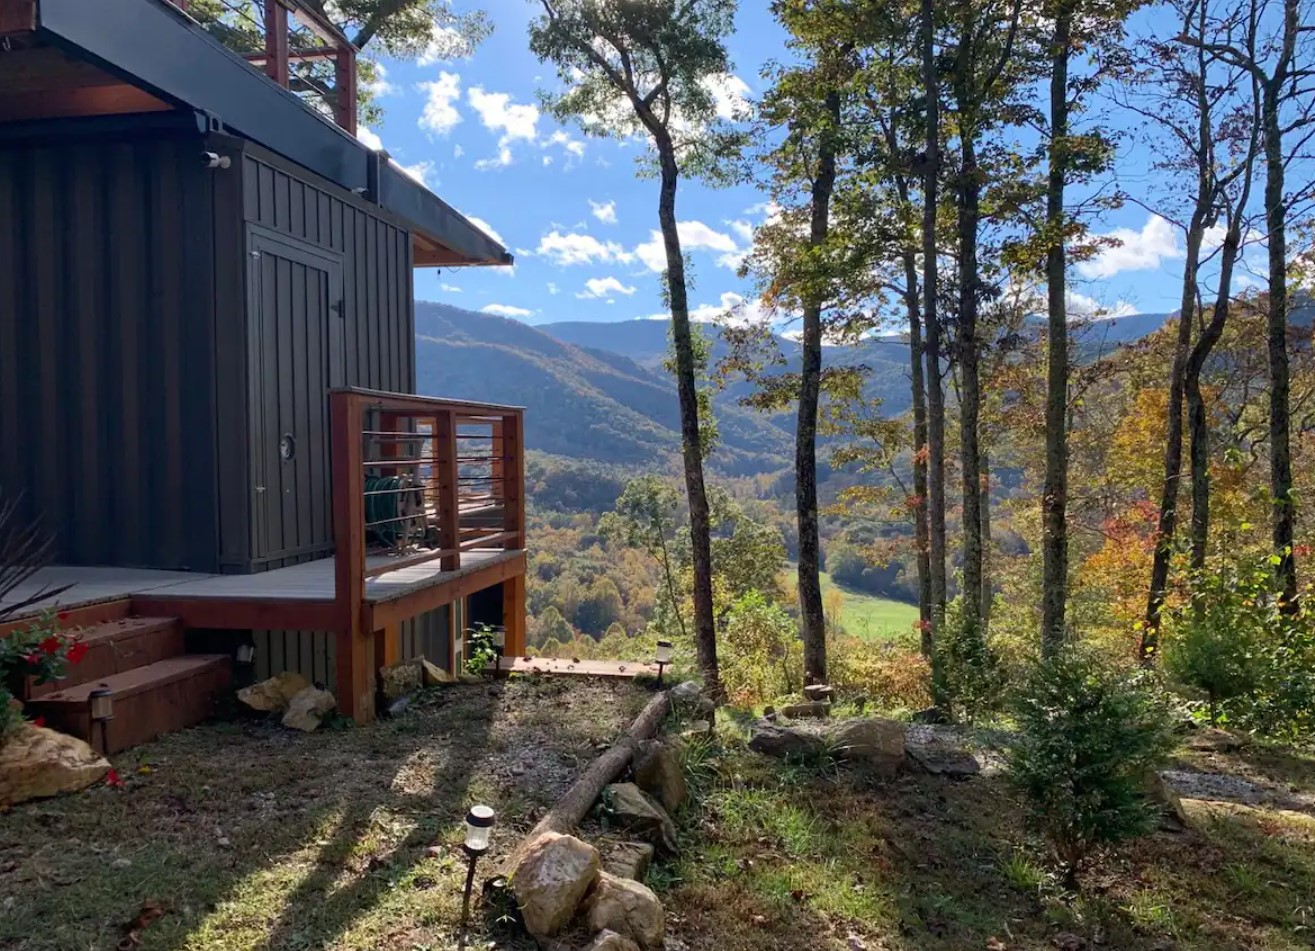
(513, 453)
(513, 615)
(344, 83)
(355, 650)
(276, 42)
(449, 509)
(388, 645)
(497, 468)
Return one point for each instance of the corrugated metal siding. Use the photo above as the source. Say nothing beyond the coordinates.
(310, 653)
(426, 635)
(107, 360)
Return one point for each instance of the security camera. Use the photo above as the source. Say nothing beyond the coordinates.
(215, 160)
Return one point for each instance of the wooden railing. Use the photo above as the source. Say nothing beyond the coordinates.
(293, 44)
(418, 483)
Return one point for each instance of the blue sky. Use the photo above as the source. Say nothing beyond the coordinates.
(582, 223)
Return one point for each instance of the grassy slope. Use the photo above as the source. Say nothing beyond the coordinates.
(777, 858)
(868, 616)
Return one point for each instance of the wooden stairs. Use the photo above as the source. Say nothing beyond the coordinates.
(157, 687)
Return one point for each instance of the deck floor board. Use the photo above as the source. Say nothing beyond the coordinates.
(310, 581)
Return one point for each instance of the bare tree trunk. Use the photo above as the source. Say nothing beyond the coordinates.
(1054, 498)
(1197, 424)
(810, 380)
(920, 450)
(705, 631)
(1173, 438)
(1280, 458)
(988, 596)
(931, 323)
(970, 395)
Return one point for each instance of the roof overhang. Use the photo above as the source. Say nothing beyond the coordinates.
(146, 55)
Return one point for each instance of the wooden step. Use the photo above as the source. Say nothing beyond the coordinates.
(158, 698)
(114, 647)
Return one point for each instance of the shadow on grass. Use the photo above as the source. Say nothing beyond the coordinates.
(780, 859)
(252, 837)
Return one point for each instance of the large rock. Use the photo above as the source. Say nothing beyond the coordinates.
(686, 692)
(818, 692)
(36, 762)
(400, 679)
(552, 877)
(628, 908)
(611, 941)
(816, 709)
(658, 773)
(941, 759)
(785, 742)
(432, 675)
(308, 708)
(878, 743)
(274, 695)
(629, 860)
(636, 812)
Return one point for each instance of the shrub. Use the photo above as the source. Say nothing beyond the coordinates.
(1088, 737)
(891, 674)
(40, 651)
(760, 653)
(971, 677)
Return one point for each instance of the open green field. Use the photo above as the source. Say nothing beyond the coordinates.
(868, 616)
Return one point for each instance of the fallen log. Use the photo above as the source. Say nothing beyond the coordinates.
(584, 792)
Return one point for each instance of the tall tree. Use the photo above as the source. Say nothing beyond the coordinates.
(651, 67)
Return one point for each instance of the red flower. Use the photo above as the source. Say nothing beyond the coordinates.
(77, 650)
(34, 658)
(113, 780)
(63, 615)
(51, 645)
(39, 721)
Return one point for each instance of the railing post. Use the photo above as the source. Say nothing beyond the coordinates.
(355, 651)
(513, 468)
(344, 82)
(449, 505)
(276, 42)
(497, 471)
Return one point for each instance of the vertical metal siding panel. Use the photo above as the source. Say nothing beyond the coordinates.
(283, 479)
(304, 380)
(296, 223)
(361, 318)
(234, 199)
(315, 425)
(86, 291)
(326, 217)
(171, 437)
(47, 312)
(11, 324)
(282, 200)
(265, 201)
(374, 359)
(126, 317)
(311, 213)
(408, 281)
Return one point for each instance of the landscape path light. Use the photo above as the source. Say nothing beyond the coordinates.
(663, 658)
(102, 712)
(479, 829)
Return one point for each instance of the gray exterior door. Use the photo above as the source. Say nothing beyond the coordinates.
(297, 356)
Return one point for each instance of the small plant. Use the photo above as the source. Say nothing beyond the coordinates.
(1088, 735)
(42, 652)
(1022, 873)
(481, 648)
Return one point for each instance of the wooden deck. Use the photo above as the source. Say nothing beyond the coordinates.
(552, 666)
(312, 581)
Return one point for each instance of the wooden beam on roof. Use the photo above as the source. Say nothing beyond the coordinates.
(98, 101)
(426, 253)
(17, 16)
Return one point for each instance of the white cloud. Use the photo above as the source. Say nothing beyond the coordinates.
(445, 42)
(500, 114)
(731, 308)
(602, 287)
(369, 138)
(575, 248)
(487, 228)
(572, 145)
(604, 211)
(743, 229)
(506, 310)
(381, 86)
(552, 288)
(501, 160)
(1080, 305)
(440, 115)
(1143, 250)
(458, 151)
(449, 288)
(728, 95)
(694, 236)
(418, 171)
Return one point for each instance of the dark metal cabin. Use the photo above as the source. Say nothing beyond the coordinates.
(207, 355)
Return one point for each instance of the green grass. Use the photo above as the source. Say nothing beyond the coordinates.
(871, 617)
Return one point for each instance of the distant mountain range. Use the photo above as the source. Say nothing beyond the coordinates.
(598, 391)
